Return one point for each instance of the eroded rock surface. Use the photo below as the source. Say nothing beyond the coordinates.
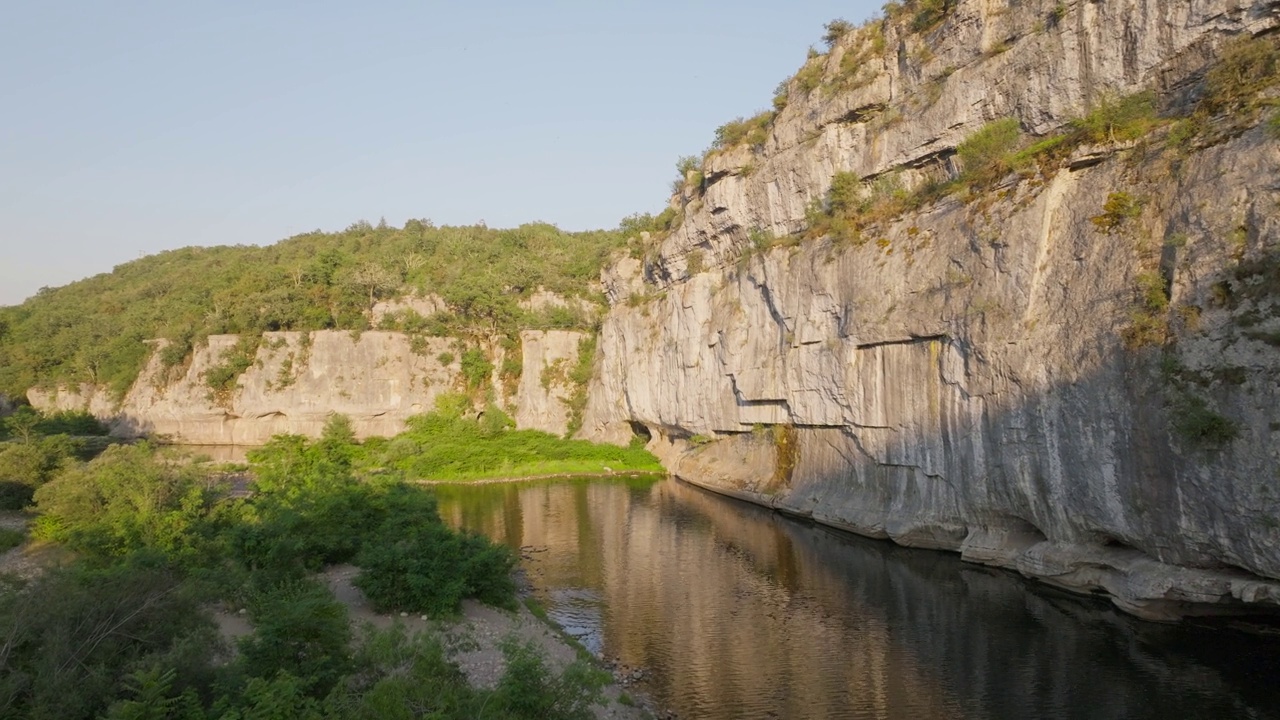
(971, 376)
(297, 380)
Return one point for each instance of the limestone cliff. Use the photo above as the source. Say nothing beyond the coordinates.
(973, 375)
(296, 380)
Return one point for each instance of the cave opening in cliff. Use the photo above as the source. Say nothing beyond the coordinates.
(640, 430)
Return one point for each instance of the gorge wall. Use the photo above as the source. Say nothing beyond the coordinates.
(298, 379)
(973, 376)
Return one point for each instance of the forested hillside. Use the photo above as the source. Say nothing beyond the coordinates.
(95, 330)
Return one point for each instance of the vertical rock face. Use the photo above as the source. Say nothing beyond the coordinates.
(973, 376)
(891, 100)
(296, 380)
(544, 383)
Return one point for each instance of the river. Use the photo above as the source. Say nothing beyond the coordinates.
(736, 612)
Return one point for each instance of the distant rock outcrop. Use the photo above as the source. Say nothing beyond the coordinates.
(296, 380)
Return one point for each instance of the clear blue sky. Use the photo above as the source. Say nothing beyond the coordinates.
(132, 127)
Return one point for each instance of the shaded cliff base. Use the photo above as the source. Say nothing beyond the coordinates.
(753, 468)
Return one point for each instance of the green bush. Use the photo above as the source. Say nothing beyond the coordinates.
(845, 192)
(809, 77)
(397, 672)
(751, 131)
(835, 30)
(75, 635)
(1118, 119)
(26, 466)
(985, 154)
(22, 423)
(1196, 423)
(528, 690)
(476, 368)
(1246, 67)
(300, 629)
(233, 362)
(10, 539)
(925, 14)
(424, 567)
(154, 697)
(1119, 208)
(130, 498)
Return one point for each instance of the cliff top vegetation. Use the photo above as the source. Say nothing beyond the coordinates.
(94, 330)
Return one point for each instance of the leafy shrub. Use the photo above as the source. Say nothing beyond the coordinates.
(177, 350)
(24, 467)
(782, 95)
(396, 671)
(1116, 211)
(1149, 321)
(1118, 119)
(299, 629)
(809, 77)
(154, 696)
(845, 192)
(10, 539)
(985, 154)
(751, 131)
(234, 361)
(835, 30)
(925, 14)
(21, 423)
(688, 172)
(528, 690)
(75, 634)
(476, 368)
(130, 498)
(1152, 291)
(1196, 423)
(424, 567)
(580, 377)
(1046, 147)
(1246, 67)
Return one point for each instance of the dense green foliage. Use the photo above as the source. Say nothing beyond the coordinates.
(73, 637)
(125, 631)
(983, 154)
(427, 567)
(38, 446)
(95, 330)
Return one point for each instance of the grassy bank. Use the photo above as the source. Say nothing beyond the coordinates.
(451, 444)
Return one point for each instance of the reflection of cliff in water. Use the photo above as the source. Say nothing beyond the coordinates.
(737, 612)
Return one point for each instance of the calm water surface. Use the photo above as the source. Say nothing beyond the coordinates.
(739, 613)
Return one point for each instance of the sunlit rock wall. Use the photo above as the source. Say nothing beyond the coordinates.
(966, 377)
